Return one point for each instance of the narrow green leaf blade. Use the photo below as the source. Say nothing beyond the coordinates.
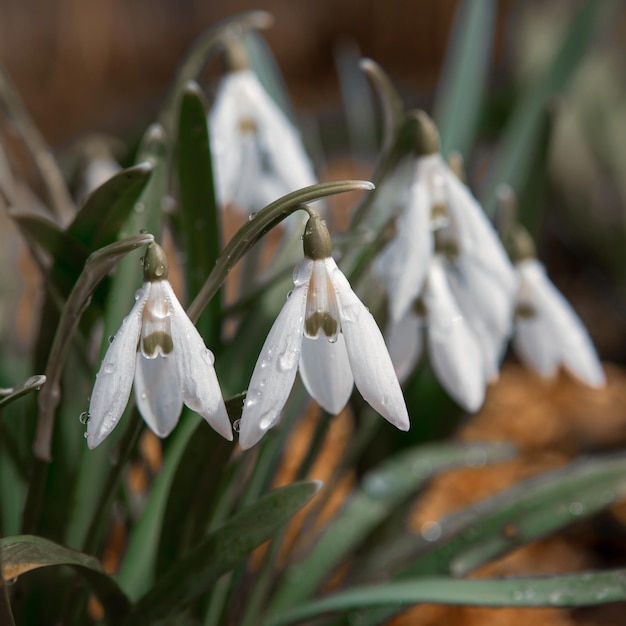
(23, 553)
(584, 589)
(521, 133)
(382, 490)
(221, 551)
(199, 210)
(100, 219)
(460, 91)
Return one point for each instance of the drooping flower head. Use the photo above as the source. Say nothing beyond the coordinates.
(548, 333)
(258, 154)
(447, 264)
(326, 333)
(160, 349)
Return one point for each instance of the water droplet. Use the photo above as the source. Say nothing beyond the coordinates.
(431, 531)
(144, 395)
(111, 338)
(351, 313)
(160, 270)
(253, 397)
(289, 358)
(576, 508)
(11, 581)
(109, 368)
(143, 231)
(376, 486)
(141, 260)
(333, 338)
(207, 355)
(84, 417)
(237, 425)
(476, 457)
(289, 293)
(262, 382)
(138, 294)
(85, 435)
(252, 216)
(267, 420)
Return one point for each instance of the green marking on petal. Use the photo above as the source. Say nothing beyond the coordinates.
(156, 342)
(525, 311)
(321, 320)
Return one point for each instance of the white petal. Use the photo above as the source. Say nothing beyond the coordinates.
(157, 393)
(374, 375)
(404, 263)
(486, 307)
(275, 370)
(454, 353)
(200, 388)
(257, 166)
(115, 378)
(478, 239)
(405, 344)
(325, 372)
(558, 326)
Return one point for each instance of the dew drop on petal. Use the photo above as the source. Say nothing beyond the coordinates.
(332, 338)
(109, 368)
(207, 355)
(266, 421)
(289, 293)
(351, 313)
(111, 338)
(84, 417)
(288, 359)
(85, 435)
(252, 216)
(253, 397)
(237, 425)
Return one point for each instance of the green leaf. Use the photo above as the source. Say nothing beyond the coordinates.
(584, 589)
(382, 490)
(33, 383)
(68, 253)
(47, 167)
(521, 133)
(524, 513)
(262, 223)
(199, 210)
(530, 510)
(99, 221)
(460, 91)
(221, 551)
(24, 553)
(199, 54)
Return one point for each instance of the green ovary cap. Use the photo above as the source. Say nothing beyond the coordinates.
(155, 265)
(316, 239)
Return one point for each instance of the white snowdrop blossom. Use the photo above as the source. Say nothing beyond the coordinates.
(548, 333)
(160, 349)
(326, 333)
(258, 154)
(447, 257)
(453, 349)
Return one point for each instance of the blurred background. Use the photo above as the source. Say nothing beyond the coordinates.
(104, 65)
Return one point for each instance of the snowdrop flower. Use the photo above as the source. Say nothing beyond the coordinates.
(454, 351)
(258, 154)
(447, 257)
(326, 333)
(159, 347)
(548, 334)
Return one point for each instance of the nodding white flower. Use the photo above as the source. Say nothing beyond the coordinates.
(258, 155)
(453, 350)
(548, 333)
(446, 252)
(326, 332)
(160, 349)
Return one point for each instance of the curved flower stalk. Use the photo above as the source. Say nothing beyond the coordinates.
(326, 333)
(258, 154)
(447, 257)
(160, 349)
